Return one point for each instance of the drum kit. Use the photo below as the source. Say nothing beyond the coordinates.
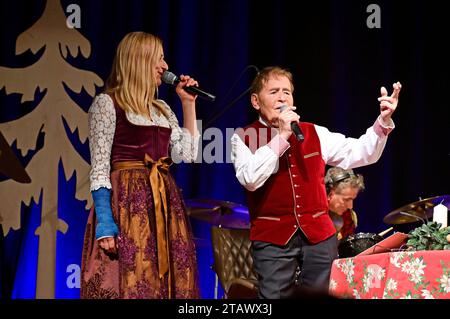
(233, 215)
(218, 213)
(419, 211)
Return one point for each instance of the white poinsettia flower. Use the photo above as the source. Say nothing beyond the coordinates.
(333, 284)
(348, 268)
(407, 267)
(391, 284)
(395, 259)
(445, 283)
(426, 294)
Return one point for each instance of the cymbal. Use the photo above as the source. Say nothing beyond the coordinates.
(219, 213)
(421, 210)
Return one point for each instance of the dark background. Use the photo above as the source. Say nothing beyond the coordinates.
(339, 65)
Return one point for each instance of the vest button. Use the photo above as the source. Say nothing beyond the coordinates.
(297, 196)
(295, 226)
(298, 206)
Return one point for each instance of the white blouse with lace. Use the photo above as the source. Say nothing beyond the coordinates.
(102, 125)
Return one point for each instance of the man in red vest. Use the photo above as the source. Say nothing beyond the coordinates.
(284, 181)
(343, 186)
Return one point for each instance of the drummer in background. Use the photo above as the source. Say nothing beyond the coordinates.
(343, 186)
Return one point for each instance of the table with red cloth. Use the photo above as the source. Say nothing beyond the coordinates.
(395, 275)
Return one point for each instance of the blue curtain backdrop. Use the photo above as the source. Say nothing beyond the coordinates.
(339, 65)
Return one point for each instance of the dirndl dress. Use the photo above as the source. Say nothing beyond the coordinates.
(156, 252)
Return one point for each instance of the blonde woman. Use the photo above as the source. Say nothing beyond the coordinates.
(138, 242)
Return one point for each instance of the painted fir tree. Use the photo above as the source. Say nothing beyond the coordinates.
(50, 73)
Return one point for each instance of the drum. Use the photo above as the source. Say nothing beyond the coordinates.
(357, 243)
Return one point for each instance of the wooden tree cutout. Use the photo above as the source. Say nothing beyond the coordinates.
(49, 73)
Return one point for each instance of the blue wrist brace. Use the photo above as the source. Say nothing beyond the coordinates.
(106, 227)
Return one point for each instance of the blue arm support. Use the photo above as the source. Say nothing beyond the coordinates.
(106, 227)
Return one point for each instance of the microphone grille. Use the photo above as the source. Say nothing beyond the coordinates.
(169, 77)
(283, 107)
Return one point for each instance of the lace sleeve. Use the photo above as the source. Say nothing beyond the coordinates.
(183, 146)
(102, 125)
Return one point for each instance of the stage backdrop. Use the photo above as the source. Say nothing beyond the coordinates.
(56, 55)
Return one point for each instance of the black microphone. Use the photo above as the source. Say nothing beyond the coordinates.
(294, 126)
(170, 78)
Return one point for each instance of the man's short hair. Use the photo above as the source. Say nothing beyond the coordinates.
(265, 74)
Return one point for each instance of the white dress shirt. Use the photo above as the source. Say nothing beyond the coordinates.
(253, 169)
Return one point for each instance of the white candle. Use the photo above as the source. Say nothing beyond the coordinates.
(440, 215)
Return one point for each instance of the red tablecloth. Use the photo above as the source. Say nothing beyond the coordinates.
(397, 275)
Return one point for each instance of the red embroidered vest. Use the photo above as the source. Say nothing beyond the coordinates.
(295, 196)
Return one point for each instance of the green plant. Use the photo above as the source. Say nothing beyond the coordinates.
(429, 236)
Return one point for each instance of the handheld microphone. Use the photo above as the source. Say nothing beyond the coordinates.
(295, 127)
(170, 78)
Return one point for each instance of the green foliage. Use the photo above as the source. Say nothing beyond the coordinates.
(429, 236)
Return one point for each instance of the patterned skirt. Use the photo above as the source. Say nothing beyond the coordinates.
(133, 272)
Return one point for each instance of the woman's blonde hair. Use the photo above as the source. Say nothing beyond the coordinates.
(132, 80)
